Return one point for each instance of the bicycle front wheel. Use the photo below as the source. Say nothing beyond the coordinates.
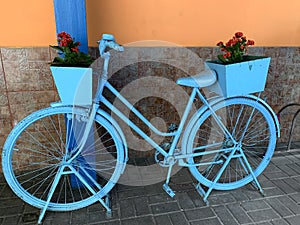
(250, 124)
(37, 159)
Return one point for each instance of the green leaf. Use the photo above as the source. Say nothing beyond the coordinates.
(59, 48)
(222, 58)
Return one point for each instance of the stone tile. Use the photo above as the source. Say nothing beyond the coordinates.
(224, 215)
(284, 186)
(281, 209)
(12, 220)
(164, 207)
(127, 208)
(263, 215)
(210, 221)
(38, 54)
(290, 204)
(13, 54)
(178, 218)
(147, 220)
(184, 201)
(216, 199)
(163, 219)
(141, 206)
(254, 205)
(294, 220)
(279, 222)
(199, 213)
(239, 213)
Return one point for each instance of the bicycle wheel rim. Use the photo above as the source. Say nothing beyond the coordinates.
(257, 154)
(82, 196)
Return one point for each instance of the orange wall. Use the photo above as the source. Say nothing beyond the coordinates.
(185, 22)
(27, 23)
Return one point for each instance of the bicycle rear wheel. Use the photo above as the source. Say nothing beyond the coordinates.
(39, 149)
(207, 139)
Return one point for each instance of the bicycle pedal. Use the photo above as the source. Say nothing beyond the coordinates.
(169, 191)
(172, 127)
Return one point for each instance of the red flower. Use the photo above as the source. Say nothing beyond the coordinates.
(63, 43)
(71, 54)
(220, 43)
(239, 34)
(250, 42)
(234, 49)
(75, 50)
(227, 55)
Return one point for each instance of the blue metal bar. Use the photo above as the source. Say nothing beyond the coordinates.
(70, 16)
(176, 134)
(136, 112)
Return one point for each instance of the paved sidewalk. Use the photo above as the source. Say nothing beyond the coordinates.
(151, 205)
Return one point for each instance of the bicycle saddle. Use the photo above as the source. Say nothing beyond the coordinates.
(203, 79)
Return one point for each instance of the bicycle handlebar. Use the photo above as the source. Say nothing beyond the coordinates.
(115, 46)
(108, 40)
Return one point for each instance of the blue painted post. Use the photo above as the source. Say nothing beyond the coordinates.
(70, 16)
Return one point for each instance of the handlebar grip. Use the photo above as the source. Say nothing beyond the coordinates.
(115, 46)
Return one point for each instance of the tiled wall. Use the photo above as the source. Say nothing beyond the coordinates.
(26, 83)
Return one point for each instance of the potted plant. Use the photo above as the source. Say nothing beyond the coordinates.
(237, 72)
(71, 72)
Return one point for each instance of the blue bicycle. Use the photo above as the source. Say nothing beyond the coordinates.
(68, 157)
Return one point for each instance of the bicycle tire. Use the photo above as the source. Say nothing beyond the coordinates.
(40, 145)
(258, 144)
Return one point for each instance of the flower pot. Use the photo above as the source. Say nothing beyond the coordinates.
(240, 78)
(74, 84)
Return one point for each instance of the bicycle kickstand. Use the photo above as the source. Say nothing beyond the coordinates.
(166, 186)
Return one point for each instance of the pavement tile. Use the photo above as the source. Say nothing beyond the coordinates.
(146, 220)
(239, 213)
(224, 215)
(254, 205)
(210, 221)
(296, 197)
(225, 197)
(289, 170)
(141, 206)
(200, 213)
(284, 186)
(273, 192)
(290, 204)
(184, 200)
(178, 218)
(239, 195)
(196, 198)
(11, 220)
(263, 215)
(281, 209)
(114, 222)
(164, 207)
(127, 208)
(276, 175)
(163, 219)
(294, 220)
(279, 222)
(294, 167)
(293, 182)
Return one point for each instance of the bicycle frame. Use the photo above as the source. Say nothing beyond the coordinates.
(100, 99)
